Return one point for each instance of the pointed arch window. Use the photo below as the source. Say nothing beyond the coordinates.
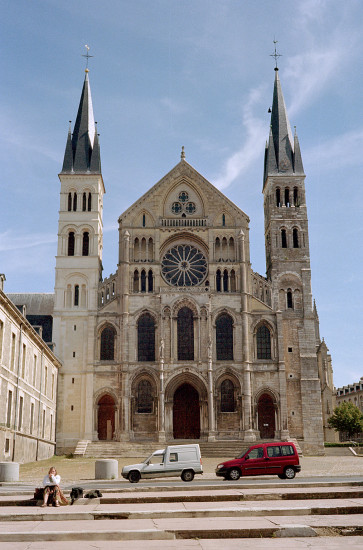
(84, 202)
(71, 242)
(263, 342)
(74, 202)
(217, 249)
(224, 337)
(136, 281)
(283, 238)
(76, 295)
(150, 281)
(296, 197)
(185, 324)
(233, 281)
(287, 197)
(107, 348)
(69, 202)
(289, 299)
(295, 237)
(225, 280)
(85, 244)
(89, 202)
(146, 338)
(278, 197)
(218, 280)
(144, 397)
(143, 281)
(227, 396)
(150, 250)
(143, 220)
(223, 220)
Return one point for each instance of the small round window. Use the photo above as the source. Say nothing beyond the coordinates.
(176, 207)
(190, 208)
(183, 196)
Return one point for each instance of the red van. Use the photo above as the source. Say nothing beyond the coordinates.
(277, 458)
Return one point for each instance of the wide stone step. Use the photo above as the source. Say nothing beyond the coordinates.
(103, 512)
(177, 528)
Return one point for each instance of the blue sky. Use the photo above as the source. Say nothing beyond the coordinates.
(197, 73)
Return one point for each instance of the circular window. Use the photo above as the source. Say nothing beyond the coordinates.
(184, 265)
(183, 196)
(176, 207)
(190, 208)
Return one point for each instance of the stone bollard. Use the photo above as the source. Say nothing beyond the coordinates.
(9, 471)
(107, 468)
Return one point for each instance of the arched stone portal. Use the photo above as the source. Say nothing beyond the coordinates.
(266, 416)
(106, 418)
(186, 413)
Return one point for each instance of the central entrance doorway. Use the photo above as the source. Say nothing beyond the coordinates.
(106, 418)
(266, 417)
(186, 413)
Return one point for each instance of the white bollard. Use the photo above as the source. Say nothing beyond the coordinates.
(9, 471)
(107, 468)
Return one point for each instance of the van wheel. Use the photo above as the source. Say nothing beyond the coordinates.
(187, 475)
(234, 474)
(134, 476)
(281, 476)
(289, 472)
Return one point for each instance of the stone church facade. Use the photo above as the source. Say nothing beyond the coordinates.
(185, 340)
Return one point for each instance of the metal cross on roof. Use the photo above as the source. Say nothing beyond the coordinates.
(276, 55)
(87, 55)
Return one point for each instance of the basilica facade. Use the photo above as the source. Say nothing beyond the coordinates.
(185, 340)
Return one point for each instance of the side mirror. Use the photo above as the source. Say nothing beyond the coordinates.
(247, 457)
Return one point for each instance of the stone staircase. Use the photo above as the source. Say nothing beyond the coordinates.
(141, 449)
(81, 448)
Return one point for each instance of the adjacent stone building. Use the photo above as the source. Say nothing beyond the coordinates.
(185, 340)
(352, 393)
(28, 387)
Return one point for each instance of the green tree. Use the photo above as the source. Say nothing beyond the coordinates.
(346, 418)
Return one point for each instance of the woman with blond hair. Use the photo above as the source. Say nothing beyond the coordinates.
(52, 491)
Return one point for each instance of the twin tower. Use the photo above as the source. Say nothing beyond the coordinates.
(185, 340)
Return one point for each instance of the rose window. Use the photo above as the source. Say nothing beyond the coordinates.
(184, 265)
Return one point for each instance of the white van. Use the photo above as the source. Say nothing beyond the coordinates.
(174, 460)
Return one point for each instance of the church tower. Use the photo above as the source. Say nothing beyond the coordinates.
(288, 269)
(78, 272)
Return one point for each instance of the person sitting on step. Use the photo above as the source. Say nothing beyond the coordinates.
(51, 488)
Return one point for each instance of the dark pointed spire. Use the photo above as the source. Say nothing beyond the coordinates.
(281, 130)
(298, 164)
(84, 137)
(270, 157)
(68, 155)
(283, 153)
(95, 165)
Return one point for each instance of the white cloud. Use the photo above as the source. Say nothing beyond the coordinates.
(308, 75)
(9, 241)
(342, 150)
(256, 131)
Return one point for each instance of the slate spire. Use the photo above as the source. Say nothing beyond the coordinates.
(282, 154)
(82, 152)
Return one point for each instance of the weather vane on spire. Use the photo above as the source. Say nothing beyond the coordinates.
(276, 55)
(87, 56)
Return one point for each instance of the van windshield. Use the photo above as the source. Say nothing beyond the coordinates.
(155, 457)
